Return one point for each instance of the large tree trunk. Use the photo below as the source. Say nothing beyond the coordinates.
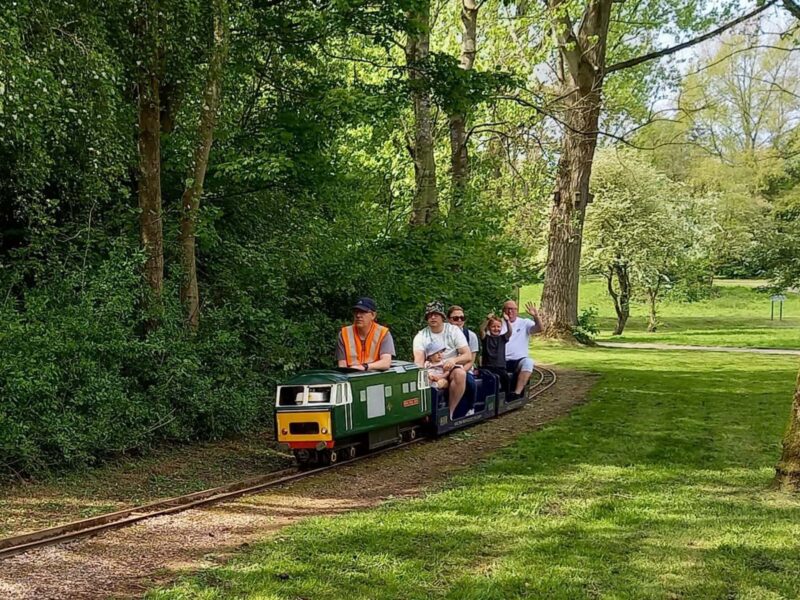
(190, 201)
(621, 298)
(459, 157)
(426, 195)
(560, 292)
(582, 52)
(787, 471)
(149, 146)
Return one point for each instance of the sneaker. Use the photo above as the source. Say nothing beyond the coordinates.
(470, 412)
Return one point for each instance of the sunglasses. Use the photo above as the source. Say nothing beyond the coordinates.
(461, 318)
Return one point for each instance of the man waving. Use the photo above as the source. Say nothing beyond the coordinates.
(518, 347)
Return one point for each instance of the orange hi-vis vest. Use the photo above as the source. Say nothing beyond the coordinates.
(358, 353)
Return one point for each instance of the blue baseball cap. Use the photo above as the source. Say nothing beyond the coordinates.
(366, 304)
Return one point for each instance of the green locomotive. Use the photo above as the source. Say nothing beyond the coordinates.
(324, 416)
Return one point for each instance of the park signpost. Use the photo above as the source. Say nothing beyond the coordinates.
(779, 299)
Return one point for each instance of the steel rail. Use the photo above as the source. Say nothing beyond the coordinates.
(122, 518)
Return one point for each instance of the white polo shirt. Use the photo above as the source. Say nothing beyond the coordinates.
(519, 345)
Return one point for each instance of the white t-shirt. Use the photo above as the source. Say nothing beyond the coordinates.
(518, 346)
(451, 337)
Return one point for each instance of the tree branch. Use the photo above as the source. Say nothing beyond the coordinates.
(793, 7)
(568, 44)
(626, 64)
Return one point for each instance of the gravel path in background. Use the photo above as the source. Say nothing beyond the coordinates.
(650, 346)
(127, 562)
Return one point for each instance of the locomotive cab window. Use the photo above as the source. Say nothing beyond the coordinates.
(290, 395)
(422, 380)
(304, 395)
(319, 394)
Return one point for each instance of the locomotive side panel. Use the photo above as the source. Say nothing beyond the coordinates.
(383, 403)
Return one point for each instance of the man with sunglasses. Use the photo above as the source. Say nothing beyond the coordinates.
(365, 345)
(456, 316)
(518, 358)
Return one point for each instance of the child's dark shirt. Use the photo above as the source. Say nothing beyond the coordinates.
(493, 351)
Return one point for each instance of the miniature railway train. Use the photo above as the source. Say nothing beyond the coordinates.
(328, 415)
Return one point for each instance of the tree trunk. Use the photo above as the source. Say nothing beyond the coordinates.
(622, 298)
(582, 55)
(459, 157)
(425, 207)
(560, 292)
(787, 471)
(190, 201)
(459, 168)
(150, 224)
(652, 296)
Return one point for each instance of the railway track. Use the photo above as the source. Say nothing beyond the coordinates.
(94, 525)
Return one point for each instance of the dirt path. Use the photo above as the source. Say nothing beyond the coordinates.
(127, 562)
(126, 482)
(649, 346)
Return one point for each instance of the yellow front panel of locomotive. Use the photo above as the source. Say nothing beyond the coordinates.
(324, 431)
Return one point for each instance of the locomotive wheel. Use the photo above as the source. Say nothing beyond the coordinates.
(410, 434)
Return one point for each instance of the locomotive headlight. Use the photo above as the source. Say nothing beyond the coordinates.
(285, 431)
(324, 430)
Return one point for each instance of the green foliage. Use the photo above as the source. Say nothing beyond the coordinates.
(305, 209)
(652, 226)
(458, 90)
(735, 142)
(80, 382)
(587, 328)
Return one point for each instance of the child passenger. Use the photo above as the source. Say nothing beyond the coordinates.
(434, 362)
(493, 347)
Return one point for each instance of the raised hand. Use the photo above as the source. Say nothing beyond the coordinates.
(530, 307)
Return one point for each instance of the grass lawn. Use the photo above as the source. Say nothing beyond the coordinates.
(657, 488)
(738, 315)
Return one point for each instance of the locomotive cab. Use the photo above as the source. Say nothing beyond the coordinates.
(304, 417)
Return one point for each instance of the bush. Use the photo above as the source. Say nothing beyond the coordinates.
(81, 381)
(586, 329)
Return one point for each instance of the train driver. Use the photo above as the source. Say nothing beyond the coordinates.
(365, 345)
